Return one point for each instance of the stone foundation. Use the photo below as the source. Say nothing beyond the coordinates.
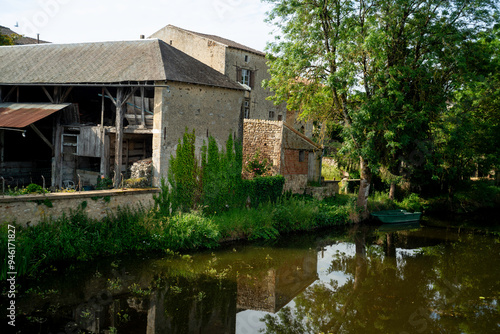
(28, 210)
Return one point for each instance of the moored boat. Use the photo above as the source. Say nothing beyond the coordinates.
(397, 216)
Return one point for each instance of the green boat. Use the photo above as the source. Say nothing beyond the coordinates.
(397, 216)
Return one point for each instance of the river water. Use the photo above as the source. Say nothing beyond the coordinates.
(366, 279)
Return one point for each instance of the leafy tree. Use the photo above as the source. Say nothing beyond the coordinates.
(9, 39)
(385, 69)
(466, 138)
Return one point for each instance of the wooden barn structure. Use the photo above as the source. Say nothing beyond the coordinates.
(72, 112)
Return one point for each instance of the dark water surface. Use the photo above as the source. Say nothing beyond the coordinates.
(408, 279)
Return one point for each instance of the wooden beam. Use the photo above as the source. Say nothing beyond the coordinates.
(9, 93)
(119, 136)
(48, 94)
(57, 153)
(143, 118)
(40, 134)
(104, 152)
(66, 93)
(111, 96)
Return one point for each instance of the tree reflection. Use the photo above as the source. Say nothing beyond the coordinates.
(439, 289)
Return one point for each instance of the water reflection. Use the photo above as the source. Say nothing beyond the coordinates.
(398, 280)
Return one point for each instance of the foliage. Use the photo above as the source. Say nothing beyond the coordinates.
(184, 174)
(183, 231)
(264, 189)
(162, 206)
(222, 183)
(104, 183)
(9, 39)
(257, 165)
(385, 70)
(33, 188)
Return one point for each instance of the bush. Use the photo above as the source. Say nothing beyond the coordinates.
(34, 189)
(265, 189)
(184, 231)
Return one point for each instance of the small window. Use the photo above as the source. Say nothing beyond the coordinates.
(246, 108)
(280, 117)
(247, 58)
(271, 114)
(302, 156)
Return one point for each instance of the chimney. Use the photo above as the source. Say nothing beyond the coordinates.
(37, 38)
(142, 36)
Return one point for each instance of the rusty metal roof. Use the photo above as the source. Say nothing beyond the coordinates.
(20, 115)
(105, 62)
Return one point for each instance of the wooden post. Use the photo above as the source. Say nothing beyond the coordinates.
(143, 118)
(56, 180)
(102, 169)
(1, 94)
(119, 136)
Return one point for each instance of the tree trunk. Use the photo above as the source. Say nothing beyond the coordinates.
(364, 187)
(392, 191)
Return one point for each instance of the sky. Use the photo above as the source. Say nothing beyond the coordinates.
(76, 21)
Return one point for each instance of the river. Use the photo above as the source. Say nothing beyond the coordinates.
(365, 279)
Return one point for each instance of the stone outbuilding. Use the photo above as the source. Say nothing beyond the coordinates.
(291, 153)
(72, 112)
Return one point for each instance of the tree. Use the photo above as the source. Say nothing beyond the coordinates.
(385, 69)
(9, 39)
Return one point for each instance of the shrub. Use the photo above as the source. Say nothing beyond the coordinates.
(265, 189)
(34, 189)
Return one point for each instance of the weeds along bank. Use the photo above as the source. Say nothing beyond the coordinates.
(78, 237)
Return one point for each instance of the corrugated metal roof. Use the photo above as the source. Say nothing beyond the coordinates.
(105, 62)
(20, 115)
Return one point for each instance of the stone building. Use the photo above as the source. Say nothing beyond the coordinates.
(237, 61)
(72, 112)
(291, 153)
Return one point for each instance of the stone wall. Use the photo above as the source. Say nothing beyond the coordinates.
(296, 183)
(260, 106)
(201, 48)
(210, 111)
(31, 209)
(264, 137)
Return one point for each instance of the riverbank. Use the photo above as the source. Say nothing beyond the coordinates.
(82, 238)
(134, 230)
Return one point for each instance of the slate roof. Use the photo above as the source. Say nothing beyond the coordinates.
(225, 41)
(22, 40)
(105, 62)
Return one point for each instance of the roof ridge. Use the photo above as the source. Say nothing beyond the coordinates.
(222, 40)
(302, 136)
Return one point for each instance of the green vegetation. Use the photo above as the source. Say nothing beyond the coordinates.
(79, 237)
(407, 87)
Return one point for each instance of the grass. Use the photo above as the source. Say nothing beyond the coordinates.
(78, 237)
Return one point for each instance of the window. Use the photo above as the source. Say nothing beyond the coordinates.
(280, 117)
(247, 58)
(246, 109)
(271, 114)
(245, 77)
(302, 156)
